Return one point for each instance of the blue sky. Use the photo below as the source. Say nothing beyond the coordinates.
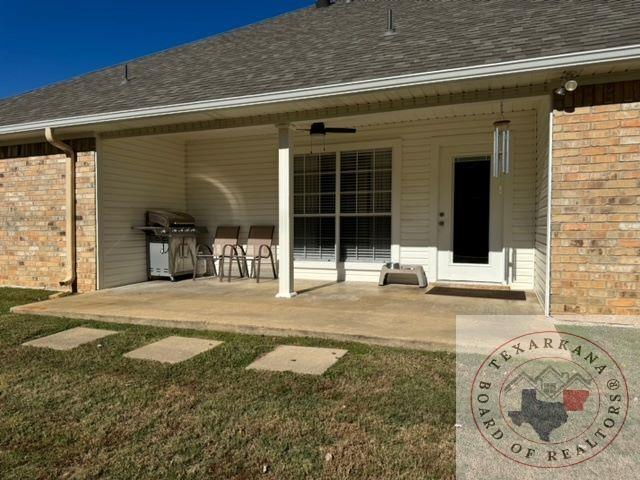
(42, 42)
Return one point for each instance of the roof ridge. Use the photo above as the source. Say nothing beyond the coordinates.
(155, 53)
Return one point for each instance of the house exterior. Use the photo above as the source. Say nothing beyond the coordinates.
(219, 128)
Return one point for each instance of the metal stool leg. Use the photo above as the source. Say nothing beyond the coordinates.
(273, 265)
(259, 260)
(233, 255)
(239, 266)
(221, 272)
(213, 268)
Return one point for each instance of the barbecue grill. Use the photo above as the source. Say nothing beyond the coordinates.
(171, 244)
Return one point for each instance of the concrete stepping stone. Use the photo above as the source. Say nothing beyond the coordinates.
(173, 349)
(305, 360)
(70, 339)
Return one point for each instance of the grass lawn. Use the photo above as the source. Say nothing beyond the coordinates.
(381, 413)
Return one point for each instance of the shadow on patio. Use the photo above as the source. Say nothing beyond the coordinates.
(394, 315)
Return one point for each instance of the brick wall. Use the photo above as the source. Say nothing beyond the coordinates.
(32, 219)
(596, 210)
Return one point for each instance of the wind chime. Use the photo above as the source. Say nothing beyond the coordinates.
(501, 146)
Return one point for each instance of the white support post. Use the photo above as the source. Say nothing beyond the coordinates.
(285, 211)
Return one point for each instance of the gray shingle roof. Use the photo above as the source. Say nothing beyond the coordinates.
(341, 43)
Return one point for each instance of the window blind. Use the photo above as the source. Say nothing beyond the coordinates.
(364, 212)
(314, 206)
(365, 205)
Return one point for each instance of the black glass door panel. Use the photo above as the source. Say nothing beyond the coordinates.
(471, 207)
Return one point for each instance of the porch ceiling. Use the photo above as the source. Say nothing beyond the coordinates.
(364, 119)
(395, 315)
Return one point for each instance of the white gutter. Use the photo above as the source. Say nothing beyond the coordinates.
(70, 213)
(547, 280)
(447, 75)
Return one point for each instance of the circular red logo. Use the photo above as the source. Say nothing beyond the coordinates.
(549, 399)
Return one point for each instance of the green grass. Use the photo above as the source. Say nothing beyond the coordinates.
(90, 413)
(10, 297)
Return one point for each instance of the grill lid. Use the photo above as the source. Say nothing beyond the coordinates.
(168, 218)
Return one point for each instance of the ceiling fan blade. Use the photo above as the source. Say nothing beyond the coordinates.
(340, 130)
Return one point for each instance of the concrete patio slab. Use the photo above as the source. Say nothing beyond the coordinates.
(69, 339)
(482, 333)
(394, 315)
(305, 360)
(173, 349)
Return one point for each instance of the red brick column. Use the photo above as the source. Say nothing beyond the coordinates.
(32, 221)
(595, 249)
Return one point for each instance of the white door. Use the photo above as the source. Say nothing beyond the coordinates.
(470, 215)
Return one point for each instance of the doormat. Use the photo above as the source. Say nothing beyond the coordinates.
(479, 293)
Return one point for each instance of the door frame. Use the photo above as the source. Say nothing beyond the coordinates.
(470, 145)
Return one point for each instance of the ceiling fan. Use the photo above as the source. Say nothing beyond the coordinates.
(319, 129)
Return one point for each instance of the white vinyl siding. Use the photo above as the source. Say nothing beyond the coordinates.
(523, 203)
(232, 180)
(542, 196)
(135, 175)
(418, 193)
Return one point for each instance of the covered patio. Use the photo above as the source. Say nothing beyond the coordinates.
(394, 315)
(413, 182)
(343, 205)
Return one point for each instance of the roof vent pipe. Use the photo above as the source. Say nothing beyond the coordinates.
(391, 28)
(70, 213)
(125, 74)
(323, 3)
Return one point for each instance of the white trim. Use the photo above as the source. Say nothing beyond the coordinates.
(98, 212)
(336, 215)
(435, 144)
(287, 295)
(396, 200)
(315, 264)
(363, 266)
(496, 270)
(446, 75)
(285, 212)
(343, 145)
(506, 188)
(547, 280)
(470, 144)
